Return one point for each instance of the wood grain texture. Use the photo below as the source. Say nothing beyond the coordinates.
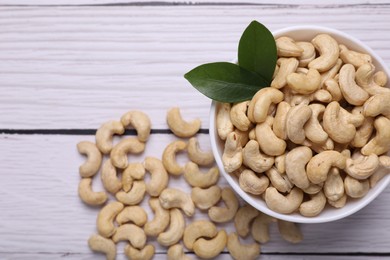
(74, 67)
(41, 212)
(167, 2)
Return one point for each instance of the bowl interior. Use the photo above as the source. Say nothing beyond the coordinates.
(303, 33)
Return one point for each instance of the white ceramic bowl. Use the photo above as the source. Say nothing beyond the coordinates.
(304, 33)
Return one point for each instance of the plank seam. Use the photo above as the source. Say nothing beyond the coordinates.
(81, 131)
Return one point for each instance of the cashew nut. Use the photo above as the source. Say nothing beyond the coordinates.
(135, 214)
(261, 102)
(254, 159)
(318, 167)
(169, 157)
(232, 154)
(238, 116)
(296, 119)
(250, 182)
(196, 155)
(241, 251)
(313, 188)
(105, 219)
(132, 171)
(160, 220)
(361, 167)
(352, 92)
(287, 66)
(268, 141)
(363, 132)
(279, 125)
(308, 54)
(377, 176)
(224, 214)
(175, 198)
(140, 121)
(197, 178)
(135, 170)
(94, 159)
(109, 177)
(338, 203)
(175, 229)
(120, 151)
(287, 47)
(243, 137)
(333, 88)
(224, 124)
(383, 170)
(365, 77)
(197, 229)
(176, 252)
(283, 204)
(381, 142)
(280, 181)
(104, 135)
(340, 124)
(296, 161)
(134, 196)
(314, 206)
(206, 198)
(210, 248)
(132, 233)
(280, 163)
(334, 185)
(304, 83)
(290, 231)
(331, 74)
(145, 253)
(159, 176)
(328, 49)
(355, 58)
(104, 245)
(328, 145)
(260, 228)
(380, 78)
(88, 195)
(376, 105)
(356, 188)
(180, 127)
(244, 216)
(313, 129)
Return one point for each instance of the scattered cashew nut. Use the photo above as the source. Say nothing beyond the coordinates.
(169, 157)
(94, 159)
(105, 219)
(104, 245)
(175, 198)
(140, 121)
(180, 127)
(196, 178)
(120, 151)
(198, 156)
(104, 135)
(175, 229)
(241, 251)
(224, 214)
(88, 195)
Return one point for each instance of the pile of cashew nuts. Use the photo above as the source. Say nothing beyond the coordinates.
(318, 135)
(123, 219)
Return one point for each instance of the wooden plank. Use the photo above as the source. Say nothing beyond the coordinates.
(42, 214)
(76, 67)
(220, 2)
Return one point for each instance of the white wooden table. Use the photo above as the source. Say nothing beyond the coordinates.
(68, 66)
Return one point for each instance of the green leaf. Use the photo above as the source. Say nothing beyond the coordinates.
(257, 50)
(225, 82)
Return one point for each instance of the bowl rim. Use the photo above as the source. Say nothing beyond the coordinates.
(362, 202)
